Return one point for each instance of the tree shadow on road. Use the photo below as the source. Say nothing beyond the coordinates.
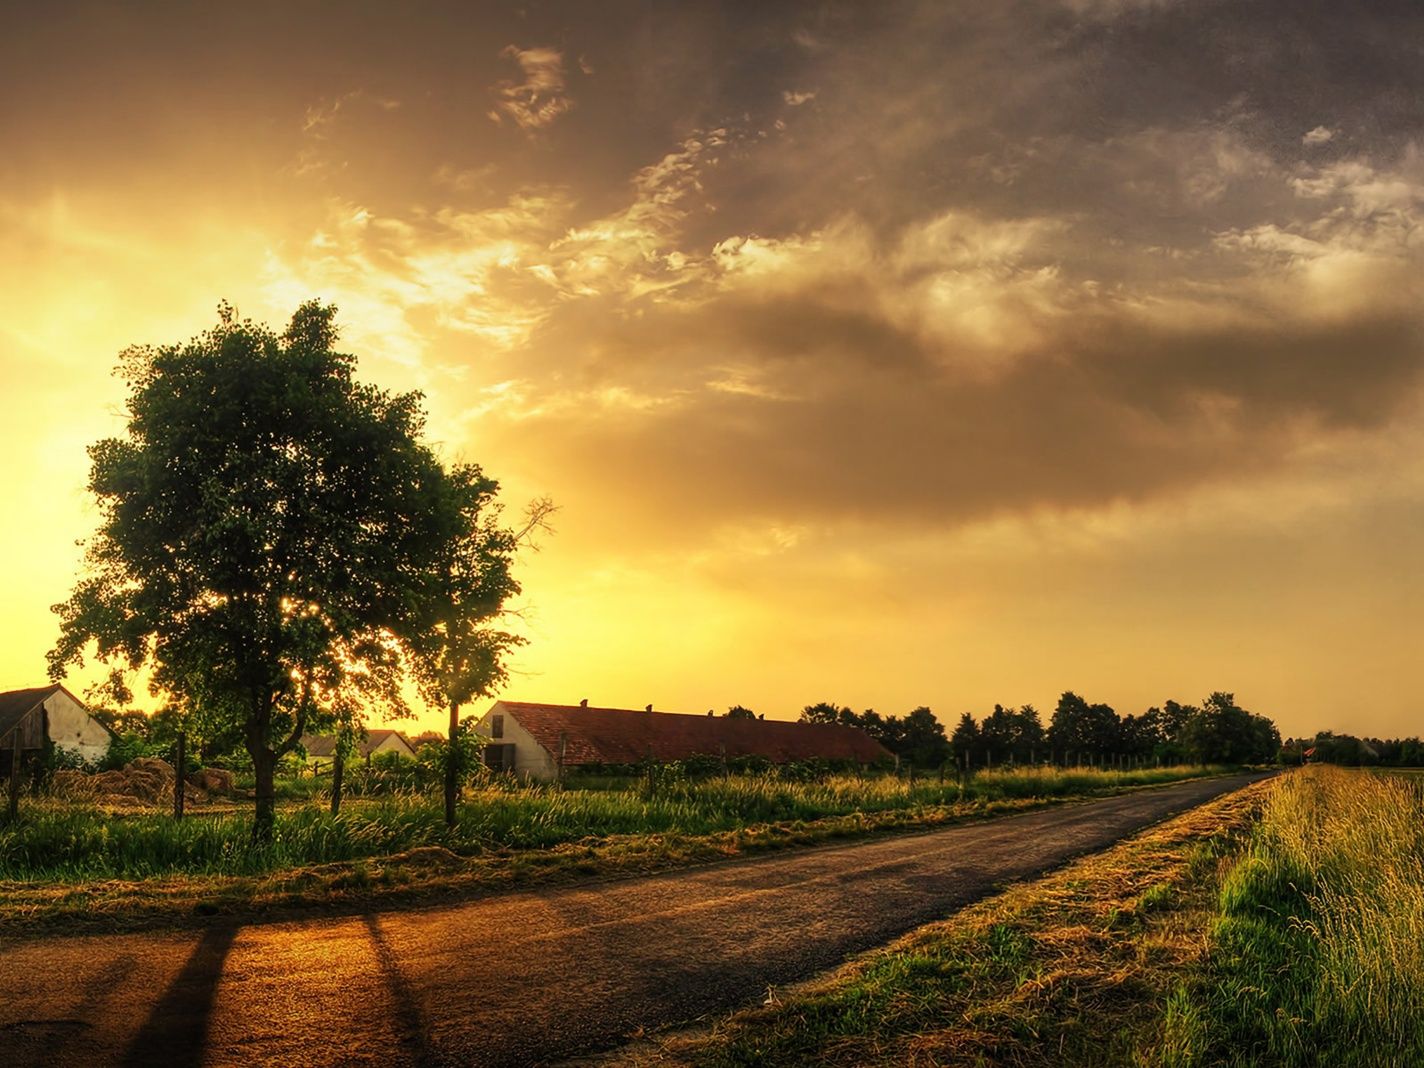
(176, 1031)
(412, 1030)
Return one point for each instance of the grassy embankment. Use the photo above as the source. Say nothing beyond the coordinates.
(64, 860)
(1073, 969)
(1282, 925)
(1318, 948)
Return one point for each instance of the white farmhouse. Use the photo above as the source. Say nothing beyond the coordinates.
(539, 741)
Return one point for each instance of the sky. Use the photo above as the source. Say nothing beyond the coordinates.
(915, 352)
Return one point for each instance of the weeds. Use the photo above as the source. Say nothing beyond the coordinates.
(65, 842)
(1318, 948)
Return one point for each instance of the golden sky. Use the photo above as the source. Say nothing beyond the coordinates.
(886, 354)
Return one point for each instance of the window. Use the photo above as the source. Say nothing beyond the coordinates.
(497, 726)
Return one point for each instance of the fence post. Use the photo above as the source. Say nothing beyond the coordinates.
(563, 748)
(14, 803)
(179, 764)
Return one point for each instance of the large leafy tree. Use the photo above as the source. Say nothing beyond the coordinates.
(269, 532)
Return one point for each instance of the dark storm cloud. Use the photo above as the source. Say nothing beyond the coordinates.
(914, 258)
(1119, 412)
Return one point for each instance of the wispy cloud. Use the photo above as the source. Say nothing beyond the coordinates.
(540, 97)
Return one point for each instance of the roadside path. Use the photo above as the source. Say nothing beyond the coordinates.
(529, 977)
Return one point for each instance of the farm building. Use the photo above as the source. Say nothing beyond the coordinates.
(321, 748)
(535, 740)
(28, 717)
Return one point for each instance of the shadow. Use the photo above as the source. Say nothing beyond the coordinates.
(176, 1031)
(406, 1017)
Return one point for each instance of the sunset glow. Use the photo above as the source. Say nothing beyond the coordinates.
(884, 354)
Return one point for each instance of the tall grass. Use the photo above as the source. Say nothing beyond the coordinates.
(1318, 953)
(66, 842)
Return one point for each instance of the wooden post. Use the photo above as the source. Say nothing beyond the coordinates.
(14, 806)
(726, 768)
(563, 748)
(179, 764)
(338, 771)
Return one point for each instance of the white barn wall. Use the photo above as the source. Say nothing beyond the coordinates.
(72, 727)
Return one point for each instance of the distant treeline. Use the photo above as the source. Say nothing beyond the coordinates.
(1332, 748)
(1218, 731)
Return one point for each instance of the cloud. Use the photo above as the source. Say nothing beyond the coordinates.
(540, 98)
(795, 99)
(1319, 135)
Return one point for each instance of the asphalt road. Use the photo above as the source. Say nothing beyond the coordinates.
(523, 978)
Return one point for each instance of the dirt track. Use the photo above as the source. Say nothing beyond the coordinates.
(523, 978)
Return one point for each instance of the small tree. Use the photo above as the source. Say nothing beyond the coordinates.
(457, 651)
(266, 526)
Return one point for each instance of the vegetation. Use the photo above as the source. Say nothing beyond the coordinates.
(277, 542)
(1074, 969)
(1318, 950)
(1218, 731)
(1327, 747)
(66, 842)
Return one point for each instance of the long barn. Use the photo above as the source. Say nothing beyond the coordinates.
(538, 740)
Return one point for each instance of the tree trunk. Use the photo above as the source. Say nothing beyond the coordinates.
(179, 765)
(452, 770)
(338, 772)
(264, 764)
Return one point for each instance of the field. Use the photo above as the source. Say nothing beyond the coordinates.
(1282, 925)
(69, 859)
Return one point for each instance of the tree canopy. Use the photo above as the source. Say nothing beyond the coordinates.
(277, 540)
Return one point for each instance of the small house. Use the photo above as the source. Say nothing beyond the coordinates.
(30, 717)
(539, 741)
(321, 748)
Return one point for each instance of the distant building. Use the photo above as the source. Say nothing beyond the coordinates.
(321, 748)
(533, 739)
(29, 717)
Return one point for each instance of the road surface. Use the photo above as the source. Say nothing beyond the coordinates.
(529, 977)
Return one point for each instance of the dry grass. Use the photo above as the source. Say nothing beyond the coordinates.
(1318, 952)
(1073, 969)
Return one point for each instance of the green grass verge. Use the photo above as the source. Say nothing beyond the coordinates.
(1073, 969)
(1318, 948)
(77, 865)
(58, 841)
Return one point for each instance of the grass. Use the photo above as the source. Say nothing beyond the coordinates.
(1318, 946)
(1075, 969)
(66, 842)
(63, 860)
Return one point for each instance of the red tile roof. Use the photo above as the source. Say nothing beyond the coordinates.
(625, 736)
